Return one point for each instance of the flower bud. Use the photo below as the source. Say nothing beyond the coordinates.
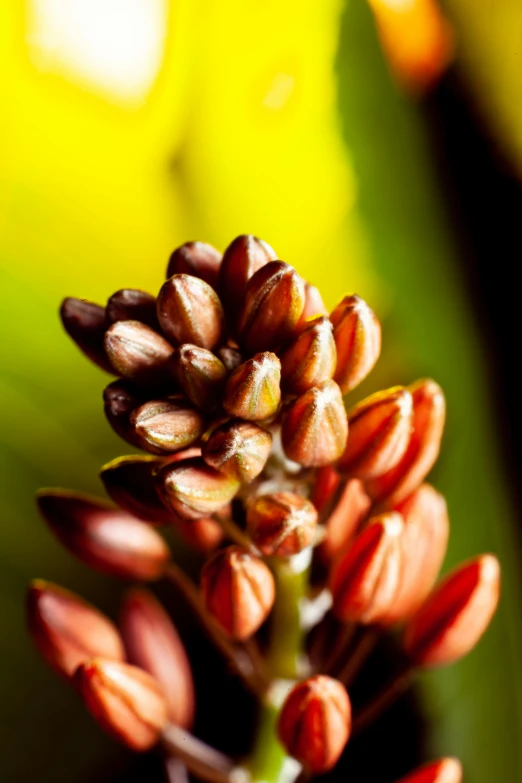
(315, 722)
(67, 630)
(130, 482)
(138, 353)
(196, 259)
(253, 389)
(120, 399)
(311, 358)
(169, 425)
(238, 449)
(193, 489)
(380, 429)
(326, 482)
(365, 580)
(314, 304)
(200, 375)
(85, 323)
(189, 311)
(273, 305)
(107, 539)
(447, 770)
(131, 304)
(357, 335)
(282, 524)
(429, 411)
(230, 357)
(345, 519)
(238, 591)
(153, 643)
(242, 258)
(126, 701)
(205, 534)
(315, 427)
(456, 614)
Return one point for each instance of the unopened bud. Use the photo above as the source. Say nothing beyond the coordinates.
(189, 311)
(169, 425)
(238, 449)
(200, 375)
(126, 701)
(380, 430)
(204, 534)
(131, 304)
(315, 722)
(152, 642)
(314, 304)
(282, 524)
(447, 770)
(194, 490)
(130, 482)
(345, 519)
(120, 399)
(357, 334)
(311, 358)
(456, 614)
(315, 427)
(242, 258)
(273, 305)
(238, 591)
(196, 259)
(105, 538)
(67, 630)
(138, 353)
(253, 390)
(365, 580)
(85, 322)
(230, 357)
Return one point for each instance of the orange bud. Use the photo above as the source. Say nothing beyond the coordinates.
(380, 429)
(282, 524)
(447, 770)
(67, 630)
(238, 449)
(130, 304)
(200, 374)
(365, 580)
(169, 425)
(273, 305)
(311, 358)
(326, 482)
(105, 538)
(137, 353)
(253, 389)
(204, 534)
(456, 614)
(197, 259)
(130, 482)
(429, 411)
(315, 722)
(126, 701)
(153, 643)
(344, 521)
(242, 258)
(357, 335)
(194, 490)
(189, 311)
(85, 322)
(238, 591)
(315, 427)
(314, 304)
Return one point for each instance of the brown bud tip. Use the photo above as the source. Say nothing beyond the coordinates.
(357, 334)
(67, 630)
(200, 375)
(126, 701)
(380, 429)
(311, 358)
(105, 538)
(196, 259)
(153, 643)
(365, 580)
(131, 304)
(456, 615)
(315, 722)
(429, 412)
(282, 524)
(137, 353)
(130, 482)
(253, 389)
(85, 323)
(189, 311)
(447, 770)
(242, 258)
(343, 522)
(169, 425)
(314, 304)
(238, 590)
(315, 427)
(273, 305)
(194, 490)
(238, 449)
(230, 357)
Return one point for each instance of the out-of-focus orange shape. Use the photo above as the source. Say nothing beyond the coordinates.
(342, 524)
(448, 770)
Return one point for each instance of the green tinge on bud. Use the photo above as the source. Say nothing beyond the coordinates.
(131, 304)
(189, 311)
(107, 539)
(242, 258)
(314, 304)
(311, 358)
(169, 425)
(193, 489)
(85, 323)
(315, 428)
(357, 335)
(253, 390)
(126, 701)
(282, 524)
(200, 375)
(197, 259)
(138, 353)
(238, 449)
(67, 630)
(273, 306)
